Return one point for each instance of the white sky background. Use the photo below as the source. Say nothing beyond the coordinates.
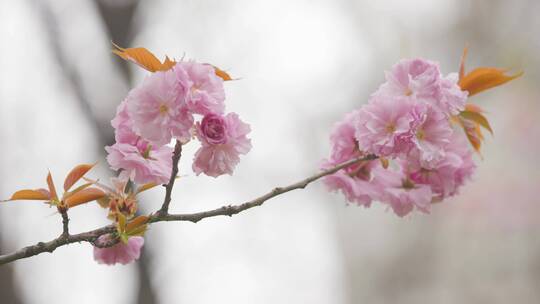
(303, 65)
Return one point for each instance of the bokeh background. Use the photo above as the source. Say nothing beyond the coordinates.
(303, 65)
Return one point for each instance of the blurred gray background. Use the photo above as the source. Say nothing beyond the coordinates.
(303, 65)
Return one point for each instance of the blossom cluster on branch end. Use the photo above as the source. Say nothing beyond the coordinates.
(413, 123)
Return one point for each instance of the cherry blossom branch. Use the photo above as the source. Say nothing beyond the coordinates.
(168, 188)
(161, 216)
(231, 210)
(50, 246)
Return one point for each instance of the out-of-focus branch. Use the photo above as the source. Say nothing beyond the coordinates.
(160, 216)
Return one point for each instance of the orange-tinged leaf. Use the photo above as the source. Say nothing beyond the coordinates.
(144, 58)
(75, 174)
(478, 118)
(221, 73)
(84, 196)
(462, 63)
(146, 187)
(104, 202)
(481, 79)
(121, 224)
(136, 223)
(30, 195)
(167, 64)
(473, 132)
(139, 231)
(474, 139)
(52, 189)
(81, 187)
(473, 108)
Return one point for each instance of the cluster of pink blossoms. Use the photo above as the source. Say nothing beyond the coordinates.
(408, 121)
(163, 108)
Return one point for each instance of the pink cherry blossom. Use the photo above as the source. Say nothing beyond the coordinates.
(223, 139)
(204, 89)
(119, 253)
(451, 99)
(158, 110)
(353, 181)
(406, 122)
(343, 142)
(123, 125)
(141, 163)
(212, 130)
(449, 173)
(380, 123)
(429, 134)
(355, 190)
(401, 193)
(417, 78)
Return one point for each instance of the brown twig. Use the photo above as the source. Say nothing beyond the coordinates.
(168, 188)
(65, 221)
(50, 246)
(160, 216)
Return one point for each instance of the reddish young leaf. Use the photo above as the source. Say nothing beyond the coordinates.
(30, 195)
(52, 189)
(222, 74)
(473, 108)
(462, 63)
(167, 64)
(146, 187)
(478, 118)
(481, 79)
(144, 58)
(84, 196)
(75, 174)
(81, 187)
(136, 223)
(139, 231)
(104, 202)
(473, 132)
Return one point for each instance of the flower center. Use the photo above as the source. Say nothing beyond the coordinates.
(163, 109)
(420, 134)
(195, 88)
(407, 184)
(408, 92)
(146, 153)
(390, 128)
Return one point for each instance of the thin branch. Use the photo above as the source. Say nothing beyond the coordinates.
(168, 188)
(50, 246)
(229, 210)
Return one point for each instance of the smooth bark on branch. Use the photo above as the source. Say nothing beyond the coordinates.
(159, 216)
